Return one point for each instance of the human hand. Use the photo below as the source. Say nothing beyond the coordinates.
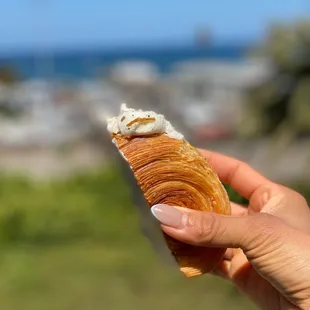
(268, 256)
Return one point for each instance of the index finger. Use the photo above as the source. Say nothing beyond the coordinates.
(238, 174)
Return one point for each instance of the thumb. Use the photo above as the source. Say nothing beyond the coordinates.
(209, 229)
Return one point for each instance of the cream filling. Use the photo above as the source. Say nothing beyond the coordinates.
(131, 122)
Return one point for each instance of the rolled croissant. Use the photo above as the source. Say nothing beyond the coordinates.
(171, 171)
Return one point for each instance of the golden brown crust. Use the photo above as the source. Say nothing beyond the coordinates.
(172, 172)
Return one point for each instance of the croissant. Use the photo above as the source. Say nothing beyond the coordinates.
(171, 171)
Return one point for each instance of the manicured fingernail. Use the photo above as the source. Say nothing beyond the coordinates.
(168, 215)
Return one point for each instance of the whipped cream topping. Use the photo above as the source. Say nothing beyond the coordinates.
(131, 122)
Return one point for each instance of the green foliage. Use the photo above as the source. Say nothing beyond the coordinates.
(8, 112)
(282, 99)
(93, 205)
(84, 206)
(80, 247)
(98, 276)
(235, 196)
(77, 244)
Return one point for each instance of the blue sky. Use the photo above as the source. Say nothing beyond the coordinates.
(80, 23)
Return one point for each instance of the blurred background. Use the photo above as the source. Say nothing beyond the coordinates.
(233, 76)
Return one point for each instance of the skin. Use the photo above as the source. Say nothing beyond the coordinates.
(268, 256)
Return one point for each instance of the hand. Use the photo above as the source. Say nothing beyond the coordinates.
(268, 256)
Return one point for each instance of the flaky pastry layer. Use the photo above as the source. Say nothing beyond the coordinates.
(171, 171)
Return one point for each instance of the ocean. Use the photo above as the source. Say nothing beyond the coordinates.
(89, 64)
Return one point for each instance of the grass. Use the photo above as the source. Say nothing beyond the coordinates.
(91, 275)
(76, 244)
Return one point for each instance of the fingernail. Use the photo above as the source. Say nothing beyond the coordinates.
(168, 215)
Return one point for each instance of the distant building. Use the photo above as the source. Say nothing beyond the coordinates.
(211, 93)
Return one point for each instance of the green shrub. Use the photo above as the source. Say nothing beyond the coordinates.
(235, 196)
(86, 205)
(92, 205)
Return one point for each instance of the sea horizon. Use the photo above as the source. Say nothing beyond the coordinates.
(86, 63)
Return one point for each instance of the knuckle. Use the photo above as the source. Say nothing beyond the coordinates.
(234, 171)
(203, 226)
(265, 228)
(293, 194)
(301, 198)
(276, 196)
